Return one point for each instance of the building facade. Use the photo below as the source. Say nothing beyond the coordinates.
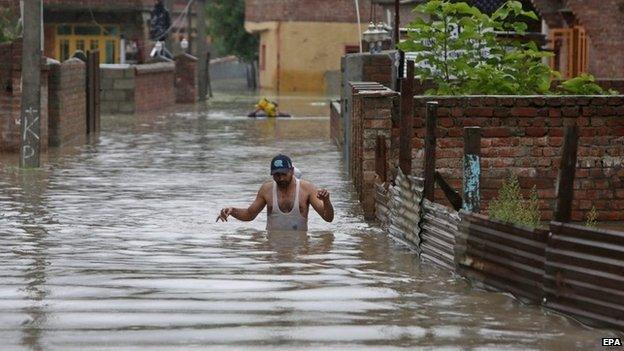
(302, 41)
(119, 29)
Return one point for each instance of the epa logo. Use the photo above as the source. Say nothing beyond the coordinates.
(611, 342)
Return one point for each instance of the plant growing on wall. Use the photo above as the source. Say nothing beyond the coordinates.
(510, 206)
(458, 48)
(592, 218)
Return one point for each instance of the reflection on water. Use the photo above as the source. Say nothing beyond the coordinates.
(113, 245)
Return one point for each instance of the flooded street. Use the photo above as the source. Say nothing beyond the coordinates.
(113, 245)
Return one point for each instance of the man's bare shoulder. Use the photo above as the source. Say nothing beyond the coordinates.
(307, 186)
(266, 187)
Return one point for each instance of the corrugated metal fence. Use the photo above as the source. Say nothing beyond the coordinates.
(400, 213)
(502, 255)
(584, 273)
(573, 269)
(438, 229)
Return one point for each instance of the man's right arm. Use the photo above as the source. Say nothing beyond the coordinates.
(245, 214)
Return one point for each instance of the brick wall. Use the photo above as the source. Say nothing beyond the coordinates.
(186, 81)
(10, 98)
(421, 87)
(603, 20)
(524, 135)
(305, 10)
(67, 101)
(371, 116)
(521, 135)
(154, 88)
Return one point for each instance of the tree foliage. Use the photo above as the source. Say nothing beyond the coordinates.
(9, 26)
(226, 26)
(459, 50)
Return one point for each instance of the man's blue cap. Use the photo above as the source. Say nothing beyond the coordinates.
(281, 164)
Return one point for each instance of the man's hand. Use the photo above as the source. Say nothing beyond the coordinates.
(323, 195)
(225, 213)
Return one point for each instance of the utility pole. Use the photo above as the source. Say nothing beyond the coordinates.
(397, 39)
(189, 29)
(31, 86)
(169, 4)
(202, 52)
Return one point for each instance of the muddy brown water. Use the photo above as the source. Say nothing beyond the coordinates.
(113, 245)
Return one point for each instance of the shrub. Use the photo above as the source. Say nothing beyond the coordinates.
(592, 217)
(510, 206)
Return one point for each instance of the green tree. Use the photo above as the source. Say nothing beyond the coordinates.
(9, 26)
(226, 26)
(459, 50)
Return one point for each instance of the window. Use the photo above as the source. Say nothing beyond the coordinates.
(64, 49)
(87, 30)
(570, 50)
(110, 51)
(80, 45)
(87, 37)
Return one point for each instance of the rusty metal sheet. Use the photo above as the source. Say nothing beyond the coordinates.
(402, 209)
(584, 274)
(501, 255)
(438, 229)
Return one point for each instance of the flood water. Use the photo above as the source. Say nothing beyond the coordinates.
(113, 245)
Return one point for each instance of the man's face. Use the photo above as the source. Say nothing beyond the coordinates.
(283, 179)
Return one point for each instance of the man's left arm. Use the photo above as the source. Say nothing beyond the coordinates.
(319, 199)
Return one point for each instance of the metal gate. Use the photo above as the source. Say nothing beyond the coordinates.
(93, 92)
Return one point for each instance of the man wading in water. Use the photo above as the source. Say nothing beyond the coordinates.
(288, 200)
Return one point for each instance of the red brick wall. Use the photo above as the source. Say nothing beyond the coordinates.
(10, 98)
(378, 68)
(604, 22)
(524, 135)
(186, 83)
(67, 102)
(306, 10)
(154, 86)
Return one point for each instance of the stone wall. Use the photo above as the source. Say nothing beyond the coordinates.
(10, 98)
(128, 89)
(67, 101)
(154, 86)
(117, 88)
